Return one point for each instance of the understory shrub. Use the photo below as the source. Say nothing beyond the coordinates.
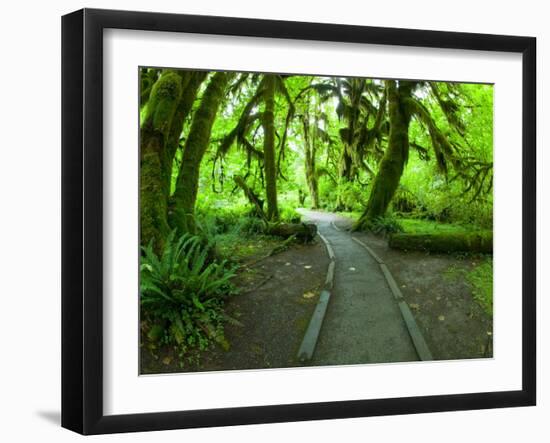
(251, 225)
(353, 196)
(234, 222)
(288, 214)
(182, 293)
(481, 282)
(385, 226)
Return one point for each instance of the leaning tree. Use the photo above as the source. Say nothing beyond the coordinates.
(314, 123)
(361, 107)
(196, 145)
(408, 100)
(269, 86)
(167, 100)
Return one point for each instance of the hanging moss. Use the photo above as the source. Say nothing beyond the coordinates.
(311, 178)
(310, 158)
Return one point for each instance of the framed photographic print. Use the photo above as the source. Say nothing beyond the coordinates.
(269, 221)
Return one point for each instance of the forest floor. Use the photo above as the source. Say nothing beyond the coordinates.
(434, 286)
(278, 294)
(271, 313)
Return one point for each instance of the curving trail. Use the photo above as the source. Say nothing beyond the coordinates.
(363, 322)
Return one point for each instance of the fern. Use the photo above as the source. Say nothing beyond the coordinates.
(184, 288)
(385, 226)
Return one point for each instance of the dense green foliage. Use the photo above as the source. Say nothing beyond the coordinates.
(227, 156)
(183, 291)
(481, 280)
(386, 226)
(328, 140)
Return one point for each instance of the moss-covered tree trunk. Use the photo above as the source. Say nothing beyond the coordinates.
(393, 162)
(345, 175)
(348, 162)
(268, 124)
(154, 132)
(311, 176)
(147, 78)
(310, 155)
(345, 168)
(481, 241)
(191, 82)
(185, 195)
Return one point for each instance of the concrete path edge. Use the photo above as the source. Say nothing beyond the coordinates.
(417, 338)
(307, 348)
(311, 336)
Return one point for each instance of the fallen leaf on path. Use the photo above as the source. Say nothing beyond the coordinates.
(309, 294)
(441, 318)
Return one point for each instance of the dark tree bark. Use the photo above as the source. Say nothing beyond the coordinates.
(251, 196)
(301, 197)
(310, 148)
(345, 174)
(345, 169)
(268, 123)
(311, 177)
(393, 162)
(185, 195)
(162, 104)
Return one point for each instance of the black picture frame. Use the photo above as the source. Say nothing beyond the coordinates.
(82, 218)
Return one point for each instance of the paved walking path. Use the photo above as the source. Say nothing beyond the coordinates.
(363, 323)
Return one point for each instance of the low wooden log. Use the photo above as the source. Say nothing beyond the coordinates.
(304, 232)
(481, 242)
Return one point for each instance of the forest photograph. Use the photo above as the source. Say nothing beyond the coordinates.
(293, 220)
